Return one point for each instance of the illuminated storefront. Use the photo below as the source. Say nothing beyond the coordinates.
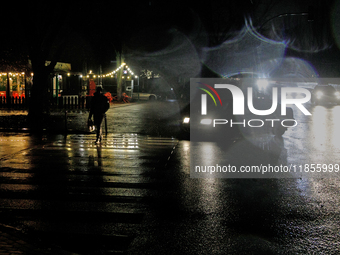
(13, 83)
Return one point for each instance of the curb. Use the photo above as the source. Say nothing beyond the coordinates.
(62, 131)
(44, 131)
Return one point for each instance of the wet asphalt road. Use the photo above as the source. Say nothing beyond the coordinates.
(134, 193)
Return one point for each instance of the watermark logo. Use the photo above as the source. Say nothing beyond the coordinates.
(239, 99)
(252, 103)
(204, 97)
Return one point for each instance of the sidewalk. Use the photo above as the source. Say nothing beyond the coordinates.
(16, 120)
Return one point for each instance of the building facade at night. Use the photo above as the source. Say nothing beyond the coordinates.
(14, 84)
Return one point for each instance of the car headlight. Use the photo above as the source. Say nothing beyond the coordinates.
(186, 120)
(206, 121)
(337, 94)
(262, 84)
(319, 94)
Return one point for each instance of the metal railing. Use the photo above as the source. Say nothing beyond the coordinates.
(12, 102)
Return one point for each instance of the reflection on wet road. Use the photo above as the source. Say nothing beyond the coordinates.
(79, 195)
(316, 139)
(134, 193)
(256, 216)
(240, 216)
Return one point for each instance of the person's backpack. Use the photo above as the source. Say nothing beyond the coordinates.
(99, 104)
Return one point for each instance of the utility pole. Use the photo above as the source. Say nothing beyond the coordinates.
(120, 61)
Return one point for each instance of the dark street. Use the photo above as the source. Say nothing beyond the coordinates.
(133, 193)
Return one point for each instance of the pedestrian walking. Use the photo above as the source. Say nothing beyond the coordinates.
(99, 105)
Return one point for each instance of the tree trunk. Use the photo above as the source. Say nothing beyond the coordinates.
(120, 60)
(38, 107)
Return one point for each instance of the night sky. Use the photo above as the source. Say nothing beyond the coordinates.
(93, 33)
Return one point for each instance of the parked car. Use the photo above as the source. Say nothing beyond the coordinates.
(145, 96)
(325, 94)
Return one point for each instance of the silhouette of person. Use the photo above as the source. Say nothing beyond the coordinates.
(99, 105)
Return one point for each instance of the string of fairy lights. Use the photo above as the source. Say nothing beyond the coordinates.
(127, 73)
(14, 74)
